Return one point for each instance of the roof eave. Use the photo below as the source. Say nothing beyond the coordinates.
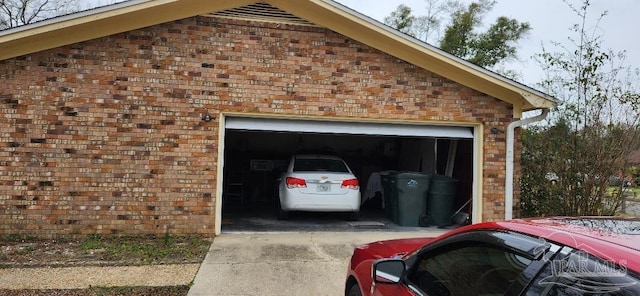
(102, 22)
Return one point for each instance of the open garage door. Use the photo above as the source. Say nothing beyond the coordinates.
(341, 127)
(257, 151)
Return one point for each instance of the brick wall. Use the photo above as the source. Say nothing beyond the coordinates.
(106, 136)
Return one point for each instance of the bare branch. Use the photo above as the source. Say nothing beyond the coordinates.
(15, 13)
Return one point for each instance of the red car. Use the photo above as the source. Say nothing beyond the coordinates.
(545, 256)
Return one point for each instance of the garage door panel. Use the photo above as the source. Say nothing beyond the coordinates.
(343, 127)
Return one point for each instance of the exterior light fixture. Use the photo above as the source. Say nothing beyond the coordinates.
(207, 117)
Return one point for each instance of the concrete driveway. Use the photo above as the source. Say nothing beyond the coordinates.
(633, 208)
(284, 263)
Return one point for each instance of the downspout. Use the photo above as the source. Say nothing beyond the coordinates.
(511, 128)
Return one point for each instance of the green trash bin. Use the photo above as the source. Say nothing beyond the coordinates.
(388, 194)
(441, 200)
(411, 200)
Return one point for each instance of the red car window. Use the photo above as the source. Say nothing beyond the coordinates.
(583, 274)
(466, 269)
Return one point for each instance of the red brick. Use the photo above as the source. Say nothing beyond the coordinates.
(138, 136)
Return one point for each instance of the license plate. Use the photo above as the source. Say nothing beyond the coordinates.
(324, 187)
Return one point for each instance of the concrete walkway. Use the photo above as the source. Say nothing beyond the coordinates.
(288, 263)
(97, 276)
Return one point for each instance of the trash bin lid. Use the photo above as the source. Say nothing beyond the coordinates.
(412, 175)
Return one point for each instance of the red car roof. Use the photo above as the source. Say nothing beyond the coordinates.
(613, 239)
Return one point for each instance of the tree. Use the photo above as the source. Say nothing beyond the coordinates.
(541, 193)
(460, 36)
(402, 19)
(591, 133)
(15, 13)
(483, 49)
(425, 27)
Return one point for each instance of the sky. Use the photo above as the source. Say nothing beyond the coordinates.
(550, 21)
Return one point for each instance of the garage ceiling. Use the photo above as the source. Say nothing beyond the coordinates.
(347, 127)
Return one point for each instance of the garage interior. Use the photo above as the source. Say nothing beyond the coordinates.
(256, 155)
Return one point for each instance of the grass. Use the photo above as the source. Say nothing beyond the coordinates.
(91, 243)
(119, 250)
(108, 291)
(25, 250)
(104, 291)
(633, 192)
(148, 249)
(17, 238)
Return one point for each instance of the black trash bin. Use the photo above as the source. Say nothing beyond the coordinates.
(440, 201)
(388, 194)
(411, 198)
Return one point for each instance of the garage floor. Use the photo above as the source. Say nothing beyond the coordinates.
(263, 219)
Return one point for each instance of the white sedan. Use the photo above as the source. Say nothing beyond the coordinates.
(318, 183)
